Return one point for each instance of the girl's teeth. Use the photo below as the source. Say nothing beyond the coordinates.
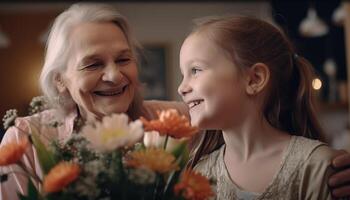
(194, 103)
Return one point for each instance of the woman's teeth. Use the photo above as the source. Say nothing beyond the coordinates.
(111, 93)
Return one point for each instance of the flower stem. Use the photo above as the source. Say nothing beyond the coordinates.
(158, 190)
(31, 174)
(166, 142)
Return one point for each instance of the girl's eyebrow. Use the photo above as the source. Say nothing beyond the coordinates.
(197, 60)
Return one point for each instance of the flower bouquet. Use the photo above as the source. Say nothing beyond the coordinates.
(106, 160)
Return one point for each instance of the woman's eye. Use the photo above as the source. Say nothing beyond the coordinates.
(92, 66)
(123, 61)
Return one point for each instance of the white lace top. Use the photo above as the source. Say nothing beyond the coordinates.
(303, 173)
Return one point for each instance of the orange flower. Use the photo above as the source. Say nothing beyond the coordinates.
(156, 160)
(193, 186)
(170, 123)
(60, 176)
(11, 152)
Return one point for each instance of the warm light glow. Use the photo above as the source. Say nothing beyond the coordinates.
(316, 84)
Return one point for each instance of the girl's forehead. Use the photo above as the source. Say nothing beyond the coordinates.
(200, 47)
(199, 43)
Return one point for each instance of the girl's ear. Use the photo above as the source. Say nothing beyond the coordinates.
(258, 75)
(61, 87)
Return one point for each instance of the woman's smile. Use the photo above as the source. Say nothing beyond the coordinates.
(111, 92)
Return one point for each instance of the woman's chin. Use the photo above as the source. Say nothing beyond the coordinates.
(116, 110)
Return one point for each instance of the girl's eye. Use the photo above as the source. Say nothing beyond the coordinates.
(195, 71)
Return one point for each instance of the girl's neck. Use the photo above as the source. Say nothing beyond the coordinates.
(255, 137)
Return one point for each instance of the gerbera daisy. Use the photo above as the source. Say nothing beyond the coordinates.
(170, 123)
(193, 186)
(60, 176)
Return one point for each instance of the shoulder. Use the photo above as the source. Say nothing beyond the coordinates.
(47, 118)
(45, 122)
(44, 116)
(152, 106)
(322, 154)
(208, 164)
(315, 168)
(314, 150)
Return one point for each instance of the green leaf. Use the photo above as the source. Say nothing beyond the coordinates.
(172, 180)
(183, 159)
(46, 158)
(181, 154)
(33, 193)
(179, 149)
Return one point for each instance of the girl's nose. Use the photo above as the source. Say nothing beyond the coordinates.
(184, 88)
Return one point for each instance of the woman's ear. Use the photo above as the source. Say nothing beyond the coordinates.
(258, 75)
(61, 86)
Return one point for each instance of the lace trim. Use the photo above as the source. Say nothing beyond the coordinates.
(286, 181)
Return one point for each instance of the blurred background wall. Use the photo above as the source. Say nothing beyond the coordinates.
(161, 27)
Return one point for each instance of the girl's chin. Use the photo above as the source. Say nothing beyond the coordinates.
(202, 124)
(195, 123)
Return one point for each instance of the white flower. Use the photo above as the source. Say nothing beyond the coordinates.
(9, 118)
(154, 139)
(38, 104)
(113, 132)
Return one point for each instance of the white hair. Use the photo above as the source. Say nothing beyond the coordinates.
(58, 44)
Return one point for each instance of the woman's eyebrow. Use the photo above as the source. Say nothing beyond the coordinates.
(93, 57)
(124, 51)
(87, 58)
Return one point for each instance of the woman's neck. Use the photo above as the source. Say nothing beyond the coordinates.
(253, 138)
(86, 116)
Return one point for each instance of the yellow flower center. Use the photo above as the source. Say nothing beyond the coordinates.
(110, 134)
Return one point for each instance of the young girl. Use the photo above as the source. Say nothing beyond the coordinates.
(241, 75)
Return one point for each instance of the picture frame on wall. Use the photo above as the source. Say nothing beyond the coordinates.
(152, 72)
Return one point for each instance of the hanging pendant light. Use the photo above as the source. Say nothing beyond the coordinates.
(338, 16)
(330, 69)
(4, 40)
(312, 25)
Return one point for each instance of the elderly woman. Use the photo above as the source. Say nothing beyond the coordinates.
(90, 71)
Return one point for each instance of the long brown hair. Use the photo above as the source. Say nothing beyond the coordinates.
(289, 103)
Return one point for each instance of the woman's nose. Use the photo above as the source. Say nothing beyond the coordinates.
(111, 73)
(184, 88)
